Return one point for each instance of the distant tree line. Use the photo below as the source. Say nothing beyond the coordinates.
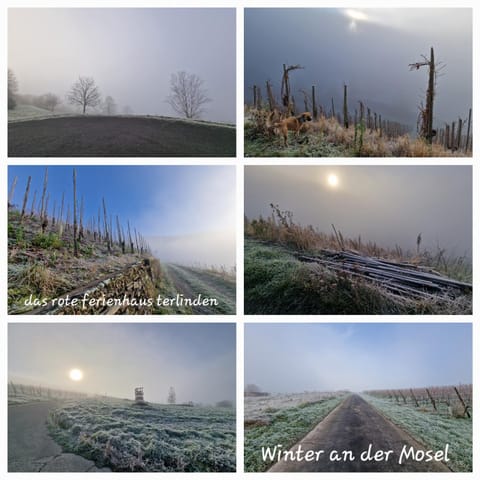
(187, 97)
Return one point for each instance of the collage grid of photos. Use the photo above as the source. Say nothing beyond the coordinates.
(344, 341)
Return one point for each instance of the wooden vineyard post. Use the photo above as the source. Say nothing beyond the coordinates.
(314, 104)
(345, 107)
(105, 221)
(255, 96)
(120, 237)
(60, 217)
(54, 212)
(25, 197)
(32, 207)
(42, 207)
(467, 141)
(12, 191)
(452, 139)
(80, 230)
(459, 134)
(130, 237)
(465, 407)
(414, 398)
(75, 239)
(333, 109)
(431, 399)
(271, 98)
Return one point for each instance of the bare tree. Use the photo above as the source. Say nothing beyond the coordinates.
(12, 90)
(50, 101)
(172, 397)
(85, 93)
(188, 95)
(109, 106)
(127, 110)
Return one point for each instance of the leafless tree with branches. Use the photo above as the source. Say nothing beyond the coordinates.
(84, 93)
(188, 95)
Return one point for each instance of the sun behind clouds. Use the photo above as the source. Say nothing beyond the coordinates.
(332, 180)
(75, 374)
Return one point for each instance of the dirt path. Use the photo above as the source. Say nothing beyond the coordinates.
(82, 136)
(353, 425)
(31, 449)
(191, 283)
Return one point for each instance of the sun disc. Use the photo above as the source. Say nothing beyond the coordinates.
(75, 374)
(332, 180)
(356, 15)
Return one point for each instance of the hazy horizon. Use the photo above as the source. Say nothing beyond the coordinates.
(292, 358)
(198, 360)
(370, 51)
(388, 205)
(130, 52)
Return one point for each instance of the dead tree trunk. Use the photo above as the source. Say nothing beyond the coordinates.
(426, 129)
(286, 89)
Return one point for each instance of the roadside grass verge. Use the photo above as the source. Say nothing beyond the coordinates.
(210, 284)
(432, 429)
(151, 438)
(284, 427)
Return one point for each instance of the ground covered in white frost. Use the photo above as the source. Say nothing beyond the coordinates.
(282, 419)
(152, 438)
(432, 429)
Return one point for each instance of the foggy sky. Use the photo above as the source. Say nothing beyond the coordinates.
(386, 205)
(198, 360)
(131, 53)
(284, 358)
(186, 213)
(371, 56)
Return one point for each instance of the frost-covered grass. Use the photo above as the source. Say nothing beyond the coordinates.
(432, 429)
(19, 394)
(152, 438)
(30, 112)
(284, 420)
(208, 284)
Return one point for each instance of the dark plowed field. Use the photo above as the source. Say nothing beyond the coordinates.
(119, 136)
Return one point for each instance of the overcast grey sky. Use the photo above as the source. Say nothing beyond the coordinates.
(198, 360)
(386, 205)
(367, 49)
(284, 358)
(131, 53)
